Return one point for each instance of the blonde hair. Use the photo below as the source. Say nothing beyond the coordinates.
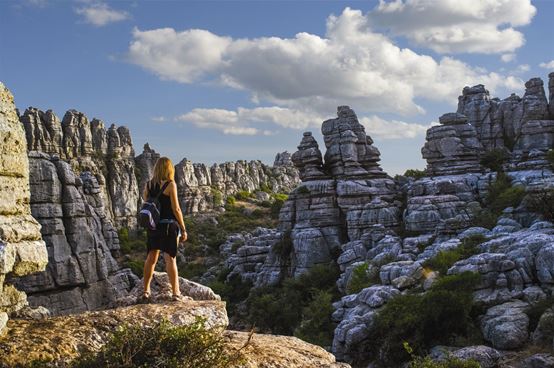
(163, 170)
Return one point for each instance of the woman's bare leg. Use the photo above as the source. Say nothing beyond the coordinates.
(171, 268)
(149, 265)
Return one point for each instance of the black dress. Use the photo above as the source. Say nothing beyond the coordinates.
(166, 236)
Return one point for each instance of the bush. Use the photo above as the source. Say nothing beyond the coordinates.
(164, 345)
(535, 311)
(278, 202)
(494, 159)
(443, 260)
(231, 201)
(217, 197)
(243, 195)
(136, 266)
(316, 322)
(303, 190)
(265, 188)
(436, 317)
(541, 202)
(415, 173)
(485, 218)
(362, 277)
(284, 247)
(233, 290)
(283, 309)
(449, 362)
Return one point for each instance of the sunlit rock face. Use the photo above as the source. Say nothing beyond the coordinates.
(204, 188)
(22, 251)
(81, 274)
(89, 146)
(343, 194)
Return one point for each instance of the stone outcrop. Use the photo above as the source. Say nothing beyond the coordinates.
(339, 200)
(204, 188)
(22, 251)
(81, 274)
(27, 340)
(452, 147)
(88, 146)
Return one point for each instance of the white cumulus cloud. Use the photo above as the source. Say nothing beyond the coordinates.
(352, 64)
(243, 120)
(547, 65)
(377, 127)
(100, 14)
(454, 26)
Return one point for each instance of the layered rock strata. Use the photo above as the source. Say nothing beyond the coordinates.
(89, 146)
(204, 188)
(339, 200)
(22, 251)
(81, 274)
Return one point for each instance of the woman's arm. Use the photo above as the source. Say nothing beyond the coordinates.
(176, 207)
(145, 191)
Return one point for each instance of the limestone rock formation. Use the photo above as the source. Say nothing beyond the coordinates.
(22, 251)
(202, 188)
(80, 237)
(452, 147)
(89, 146)
(348, 191)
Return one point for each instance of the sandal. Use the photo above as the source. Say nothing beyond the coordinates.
(144, 298)
(178, 298)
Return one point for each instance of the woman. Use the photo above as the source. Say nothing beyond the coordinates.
(170, 230)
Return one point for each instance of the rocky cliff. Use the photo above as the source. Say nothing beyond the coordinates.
(22, 251)
(514, 258)
(347, 210)
(204, 188)
(28, 340)
(88, 146)
(332, 207)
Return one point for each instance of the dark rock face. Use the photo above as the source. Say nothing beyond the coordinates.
(108, 154)
(81, 273)
(521, 125)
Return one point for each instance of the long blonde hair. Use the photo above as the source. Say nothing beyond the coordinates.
(163, 170)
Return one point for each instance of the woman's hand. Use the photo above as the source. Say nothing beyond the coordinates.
(184, 236)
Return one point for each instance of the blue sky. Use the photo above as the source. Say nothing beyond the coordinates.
(214, 81)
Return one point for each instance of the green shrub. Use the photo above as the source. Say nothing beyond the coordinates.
(217, 197)
(424, 320)
(192, 270)
(232, 290)
(361, 278)
(265, 188)
(129, 244)
(284, 247)
(541, 202)
(536, 310)
(494, 159)
(243, 195)
(303, 190)
(449, 362)
(443, 260)
(415, 173)
(136, 266)
(164, 345)
(485, 218)
(282, 309)
(231, 201)
(278, 202)
(316, 324)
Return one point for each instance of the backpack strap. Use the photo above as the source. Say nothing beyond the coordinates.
(162, 189)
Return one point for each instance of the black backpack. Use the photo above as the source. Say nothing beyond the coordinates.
(149, 214)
